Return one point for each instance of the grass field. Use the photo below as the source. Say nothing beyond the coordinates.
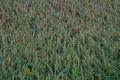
(59, 39)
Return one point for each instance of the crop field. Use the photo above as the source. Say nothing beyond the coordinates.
(59, 39)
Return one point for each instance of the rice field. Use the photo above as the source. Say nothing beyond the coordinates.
(59, 39)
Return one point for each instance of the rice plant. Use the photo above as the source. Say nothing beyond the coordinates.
(59, 39)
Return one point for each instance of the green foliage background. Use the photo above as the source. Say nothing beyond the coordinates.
(59, 39)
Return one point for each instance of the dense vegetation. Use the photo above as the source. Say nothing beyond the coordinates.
(59, 39)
